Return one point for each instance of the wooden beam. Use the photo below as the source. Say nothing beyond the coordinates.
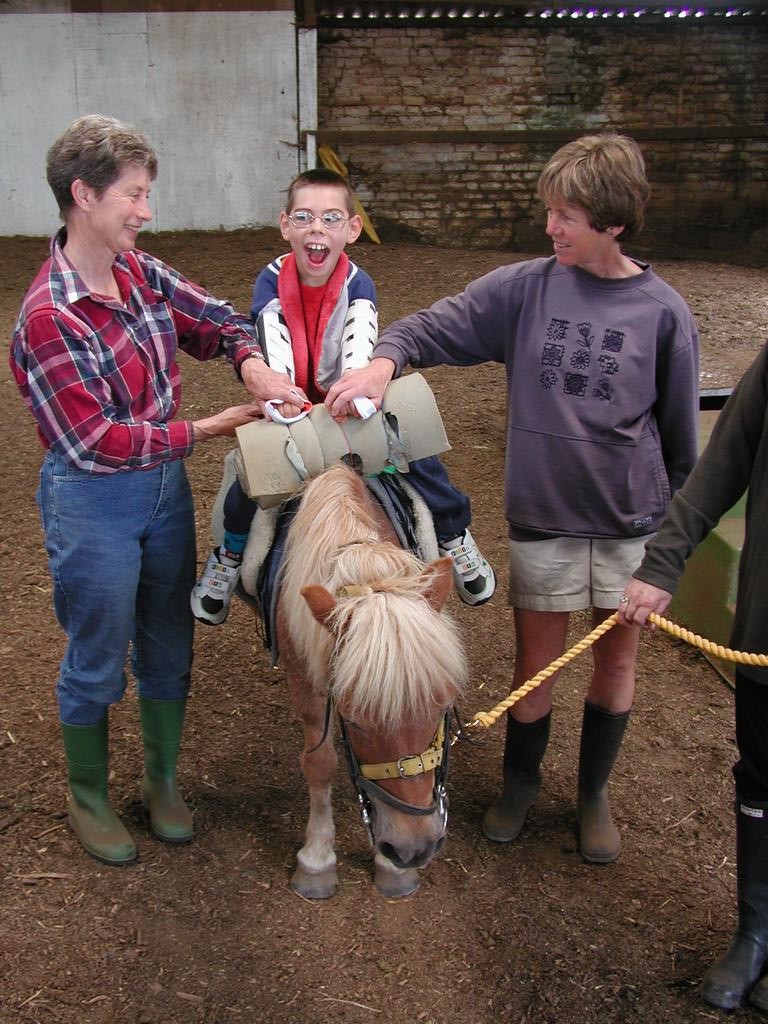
(176, 6)
(526, 136)
(306, 13)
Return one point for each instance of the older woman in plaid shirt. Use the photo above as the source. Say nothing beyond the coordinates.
(94, 356)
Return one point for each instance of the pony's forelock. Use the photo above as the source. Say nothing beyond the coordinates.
(417, 660)
(416, 665)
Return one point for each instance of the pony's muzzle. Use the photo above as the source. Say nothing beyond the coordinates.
(411, 855)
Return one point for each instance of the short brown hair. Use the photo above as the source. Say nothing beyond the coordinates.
(604, 175)
(95, 148)
(320, 176)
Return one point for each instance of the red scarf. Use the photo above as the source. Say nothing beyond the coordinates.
(306, 351)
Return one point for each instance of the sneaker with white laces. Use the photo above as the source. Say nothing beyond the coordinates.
(473, 577)
(211, 595)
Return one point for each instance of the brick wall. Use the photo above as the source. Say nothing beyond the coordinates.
(694, 94)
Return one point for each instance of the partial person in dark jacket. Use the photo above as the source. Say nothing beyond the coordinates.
(602, 375)
(736, 459)
(94, 356)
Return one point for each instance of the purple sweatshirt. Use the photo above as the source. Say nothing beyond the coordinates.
(602, 380)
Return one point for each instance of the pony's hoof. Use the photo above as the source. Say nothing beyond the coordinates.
(396, 883)
(315, 887)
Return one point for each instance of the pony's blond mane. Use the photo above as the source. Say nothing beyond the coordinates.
(389, 652)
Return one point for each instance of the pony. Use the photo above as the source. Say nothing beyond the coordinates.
(365, 641)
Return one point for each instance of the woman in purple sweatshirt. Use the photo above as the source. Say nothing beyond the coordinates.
(602, 377)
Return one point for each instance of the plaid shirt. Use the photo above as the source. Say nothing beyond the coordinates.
(100, 377)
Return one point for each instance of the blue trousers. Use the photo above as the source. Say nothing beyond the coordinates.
(450, 507)
(121, 554)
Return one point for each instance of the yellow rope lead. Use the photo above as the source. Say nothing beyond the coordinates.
(742, 657)
(487, 718)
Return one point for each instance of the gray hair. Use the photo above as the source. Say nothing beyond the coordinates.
(95, 148)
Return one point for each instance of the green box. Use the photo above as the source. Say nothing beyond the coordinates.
(706, 595)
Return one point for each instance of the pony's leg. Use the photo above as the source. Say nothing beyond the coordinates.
(392, 881)
(315, 876)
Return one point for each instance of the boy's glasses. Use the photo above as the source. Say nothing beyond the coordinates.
(332, 219)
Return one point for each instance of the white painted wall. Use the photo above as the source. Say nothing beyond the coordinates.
(216, 93)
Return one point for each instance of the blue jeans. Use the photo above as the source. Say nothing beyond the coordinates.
(121, 554)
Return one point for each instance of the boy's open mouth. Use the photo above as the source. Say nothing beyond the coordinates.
(316, 253)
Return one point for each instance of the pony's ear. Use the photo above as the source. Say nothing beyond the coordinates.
(321, 602)
(441, 583)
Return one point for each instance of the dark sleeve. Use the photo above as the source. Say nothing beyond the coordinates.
(719, 478)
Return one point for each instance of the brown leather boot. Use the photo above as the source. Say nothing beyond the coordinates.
(524, 748)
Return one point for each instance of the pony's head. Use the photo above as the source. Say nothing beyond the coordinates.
(397, 667)
(363, 622)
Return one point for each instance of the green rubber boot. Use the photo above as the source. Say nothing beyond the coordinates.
(601, 735)
(162, 723)
(89, 813)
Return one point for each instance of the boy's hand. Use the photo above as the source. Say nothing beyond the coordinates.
(267, 386)
(286, 412)
(368, 381)
(639, 600)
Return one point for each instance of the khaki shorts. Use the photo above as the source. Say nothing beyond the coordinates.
(566, 574)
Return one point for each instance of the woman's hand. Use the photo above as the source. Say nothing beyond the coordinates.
(367, 382)
(639, 600)
(223, 424)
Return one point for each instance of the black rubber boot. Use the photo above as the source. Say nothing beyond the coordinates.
(524, 749)
(601, 735)
(729, 981)
(758, 997)
(162, 724)
(89, 812)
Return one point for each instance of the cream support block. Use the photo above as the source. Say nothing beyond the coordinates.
(275, 460)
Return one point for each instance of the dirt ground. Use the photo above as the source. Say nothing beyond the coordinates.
(212, 932)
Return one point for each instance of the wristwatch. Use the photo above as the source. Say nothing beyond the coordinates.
(250, 355)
